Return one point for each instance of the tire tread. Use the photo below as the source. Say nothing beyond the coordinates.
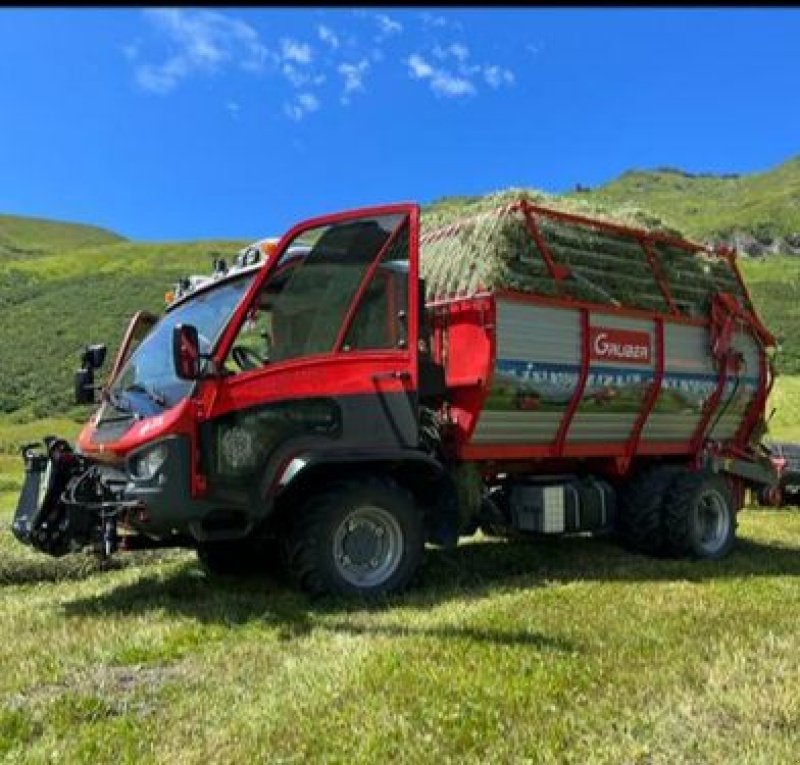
(302, 552)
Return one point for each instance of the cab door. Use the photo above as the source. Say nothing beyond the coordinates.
(138, 328)
(322, 353)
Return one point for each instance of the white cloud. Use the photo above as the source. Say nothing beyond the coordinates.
(459, 51)
(353, 75)
(446, 84)
(199, 42)
(162, 78)
(453, 74)
(292, 50)
(301, 77)
(497, 76)
(431, 21)
(388, 25)
(301, 106)
(441, 81)
(420, 68)
(328, 36)
(295, 76)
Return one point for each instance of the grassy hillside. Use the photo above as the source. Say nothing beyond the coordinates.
(757, 212)
(22, 237)
(765, 204)
(774, 284)
(51, 306)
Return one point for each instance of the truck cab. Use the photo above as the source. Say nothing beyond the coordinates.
(272, 383)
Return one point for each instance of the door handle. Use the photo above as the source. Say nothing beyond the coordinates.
(394, 375)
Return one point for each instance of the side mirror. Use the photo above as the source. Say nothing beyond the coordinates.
(84, 386)
(94, 356)
(186, 352)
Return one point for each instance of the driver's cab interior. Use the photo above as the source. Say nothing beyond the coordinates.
(304, 307)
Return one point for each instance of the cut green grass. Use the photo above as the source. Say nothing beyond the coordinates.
(548, 651)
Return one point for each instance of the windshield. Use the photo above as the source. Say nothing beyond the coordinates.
(147, 384)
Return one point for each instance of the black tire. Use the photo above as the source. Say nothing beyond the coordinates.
(770, 496)
(789, 494)
(360, 537)
(699, 516)
(240, 557)
(640, 518)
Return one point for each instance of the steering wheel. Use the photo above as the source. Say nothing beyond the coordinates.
(246, 358)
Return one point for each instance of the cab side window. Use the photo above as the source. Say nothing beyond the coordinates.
(380, 321)
(306, 304)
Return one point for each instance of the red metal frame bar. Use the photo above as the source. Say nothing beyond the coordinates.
(580, 387)
(652, 395)
(760, 397)
(618, 228)
(410, 209)
(365, 281)
(655, 266)
(557, 271)
(711, 406)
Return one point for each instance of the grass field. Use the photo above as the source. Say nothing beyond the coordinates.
(558, 651)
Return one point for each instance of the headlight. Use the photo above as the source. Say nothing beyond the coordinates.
(145, 464)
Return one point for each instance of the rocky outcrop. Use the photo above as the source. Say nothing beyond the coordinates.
(761, 246)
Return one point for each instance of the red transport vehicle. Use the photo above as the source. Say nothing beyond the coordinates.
(363, 390)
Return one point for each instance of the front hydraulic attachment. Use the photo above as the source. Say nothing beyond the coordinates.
(66, 502)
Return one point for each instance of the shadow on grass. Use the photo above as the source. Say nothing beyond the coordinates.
(468, 571)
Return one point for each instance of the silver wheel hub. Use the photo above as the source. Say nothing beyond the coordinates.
(367, 546)
(713, 520)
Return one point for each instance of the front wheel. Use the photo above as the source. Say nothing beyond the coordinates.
(358, 537)
(700, 516)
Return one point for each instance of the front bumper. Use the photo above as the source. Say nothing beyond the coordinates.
(69, 502)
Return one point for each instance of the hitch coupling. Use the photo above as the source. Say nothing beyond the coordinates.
(67, 503)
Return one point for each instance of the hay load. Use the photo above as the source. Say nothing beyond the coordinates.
(526, 243)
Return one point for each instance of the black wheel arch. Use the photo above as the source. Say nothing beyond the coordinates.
(306, 471)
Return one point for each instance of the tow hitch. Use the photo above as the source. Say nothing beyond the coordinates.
(67, 503)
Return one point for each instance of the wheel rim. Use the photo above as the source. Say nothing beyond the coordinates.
(367, 546)
(713, 521)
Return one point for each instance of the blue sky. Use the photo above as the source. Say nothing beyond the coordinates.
(183, 124)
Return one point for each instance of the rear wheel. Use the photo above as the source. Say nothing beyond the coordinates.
(770, 496)
(359, 537)
(699, 516)
(641, 523)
